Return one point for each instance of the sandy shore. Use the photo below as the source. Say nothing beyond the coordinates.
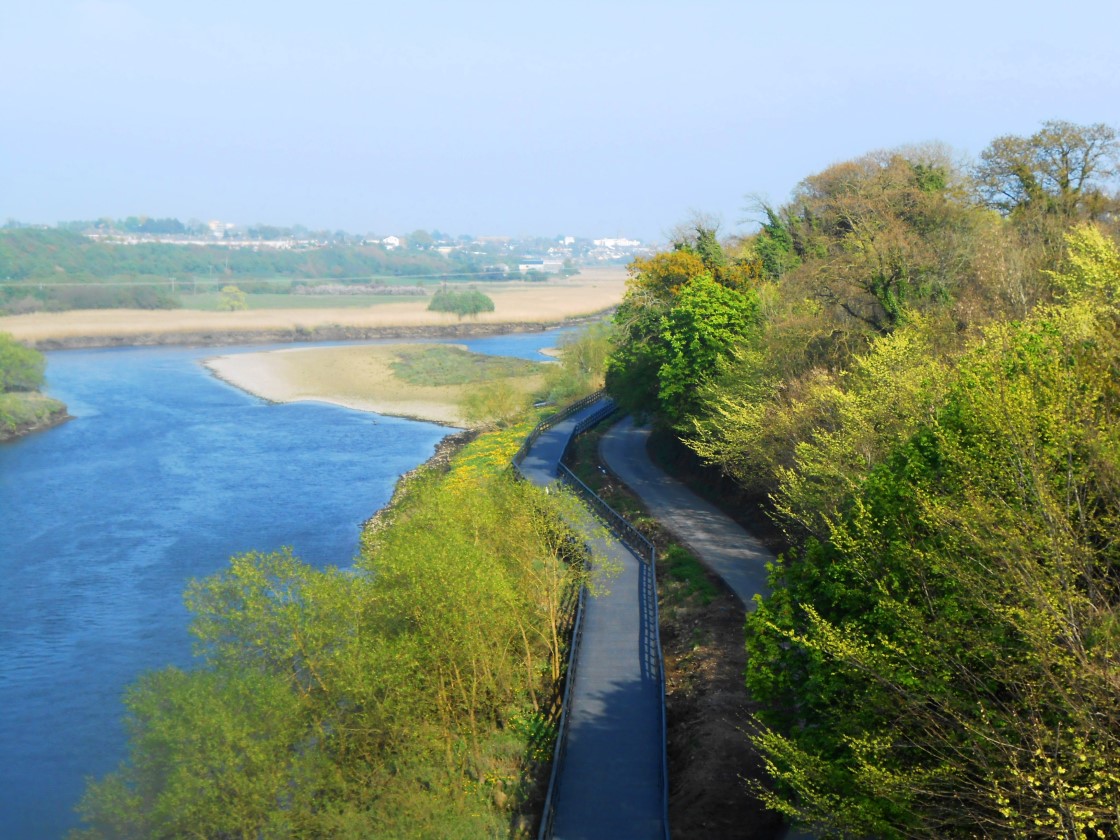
(356, 377)
(547, 303)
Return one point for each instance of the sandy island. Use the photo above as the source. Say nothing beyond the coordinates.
(543, 304)
(358, 377)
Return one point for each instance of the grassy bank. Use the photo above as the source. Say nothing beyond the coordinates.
(23, 412)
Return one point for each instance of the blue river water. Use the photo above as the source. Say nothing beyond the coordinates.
(164, 473)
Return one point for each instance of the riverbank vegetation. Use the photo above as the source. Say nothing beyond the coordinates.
(408, 696)
(414, 694)
(913, 366)
(22, 374)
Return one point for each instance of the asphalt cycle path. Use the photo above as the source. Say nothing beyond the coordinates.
(733, 553)
(722, 544)
(610, 784)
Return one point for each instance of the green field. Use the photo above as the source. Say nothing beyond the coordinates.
(450, 365)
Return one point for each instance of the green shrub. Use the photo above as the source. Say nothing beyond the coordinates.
(460, 302)
(21, 368)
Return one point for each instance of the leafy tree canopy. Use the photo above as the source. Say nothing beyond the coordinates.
(21, 368)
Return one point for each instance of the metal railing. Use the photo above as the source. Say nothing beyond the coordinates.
(561, 745)
(645, 550)
(550, 421)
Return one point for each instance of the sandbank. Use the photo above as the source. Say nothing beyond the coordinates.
(358, 377)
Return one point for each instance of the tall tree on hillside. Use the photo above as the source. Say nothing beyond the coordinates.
(1061, 169)
(870, 233)
(706, 322)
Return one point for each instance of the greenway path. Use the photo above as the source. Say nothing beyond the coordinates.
(610, 780)
(721, 543)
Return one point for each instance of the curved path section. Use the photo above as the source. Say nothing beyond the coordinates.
(722, 544)
(610, 781)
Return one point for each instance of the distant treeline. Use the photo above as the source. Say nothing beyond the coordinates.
(46, 254)
(39, 268)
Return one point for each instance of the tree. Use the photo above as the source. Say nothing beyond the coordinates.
(774, 245)
(653, 291)
(945, 663)
(213, 754)
(460, 302)
(1093, 266)
(875, 235)
(583, 361)
(420, 240)
(1062, 169)
(21, 368)
(492, 403)
(232, 299)
(705, 322)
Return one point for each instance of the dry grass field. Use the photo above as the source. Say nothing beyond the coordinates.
(552, 301)
(358, 377)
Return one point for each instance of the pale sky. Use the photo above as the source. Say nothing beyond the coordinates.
(590, 119)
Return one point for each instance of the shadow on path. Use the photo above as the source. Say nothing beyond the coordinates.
(610, 783)
(737, 556)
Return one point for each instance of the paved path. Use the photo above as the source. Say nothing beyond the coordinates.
(610, 784)
(722, 544)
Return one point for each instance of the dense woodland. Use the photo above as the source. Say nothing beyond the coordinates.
(914, 365)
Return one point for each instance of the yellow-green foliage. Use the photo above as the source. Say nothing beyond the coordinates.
(947, 659)
(860, 416)
(1094, 266)
(401, 698)
(493, 403)
(232, 299)
(583, 362)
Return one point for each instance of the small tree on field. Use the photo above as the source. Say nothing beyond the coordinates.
(232, 299)
(464, 302)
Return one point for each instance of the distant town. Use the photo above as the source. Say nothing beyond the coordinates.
(524, 254)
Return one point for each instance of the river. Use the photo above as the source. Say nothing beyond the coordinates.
(163, 474)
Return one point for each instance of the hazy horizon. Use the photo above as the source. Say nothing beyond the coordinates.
(615, 119)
